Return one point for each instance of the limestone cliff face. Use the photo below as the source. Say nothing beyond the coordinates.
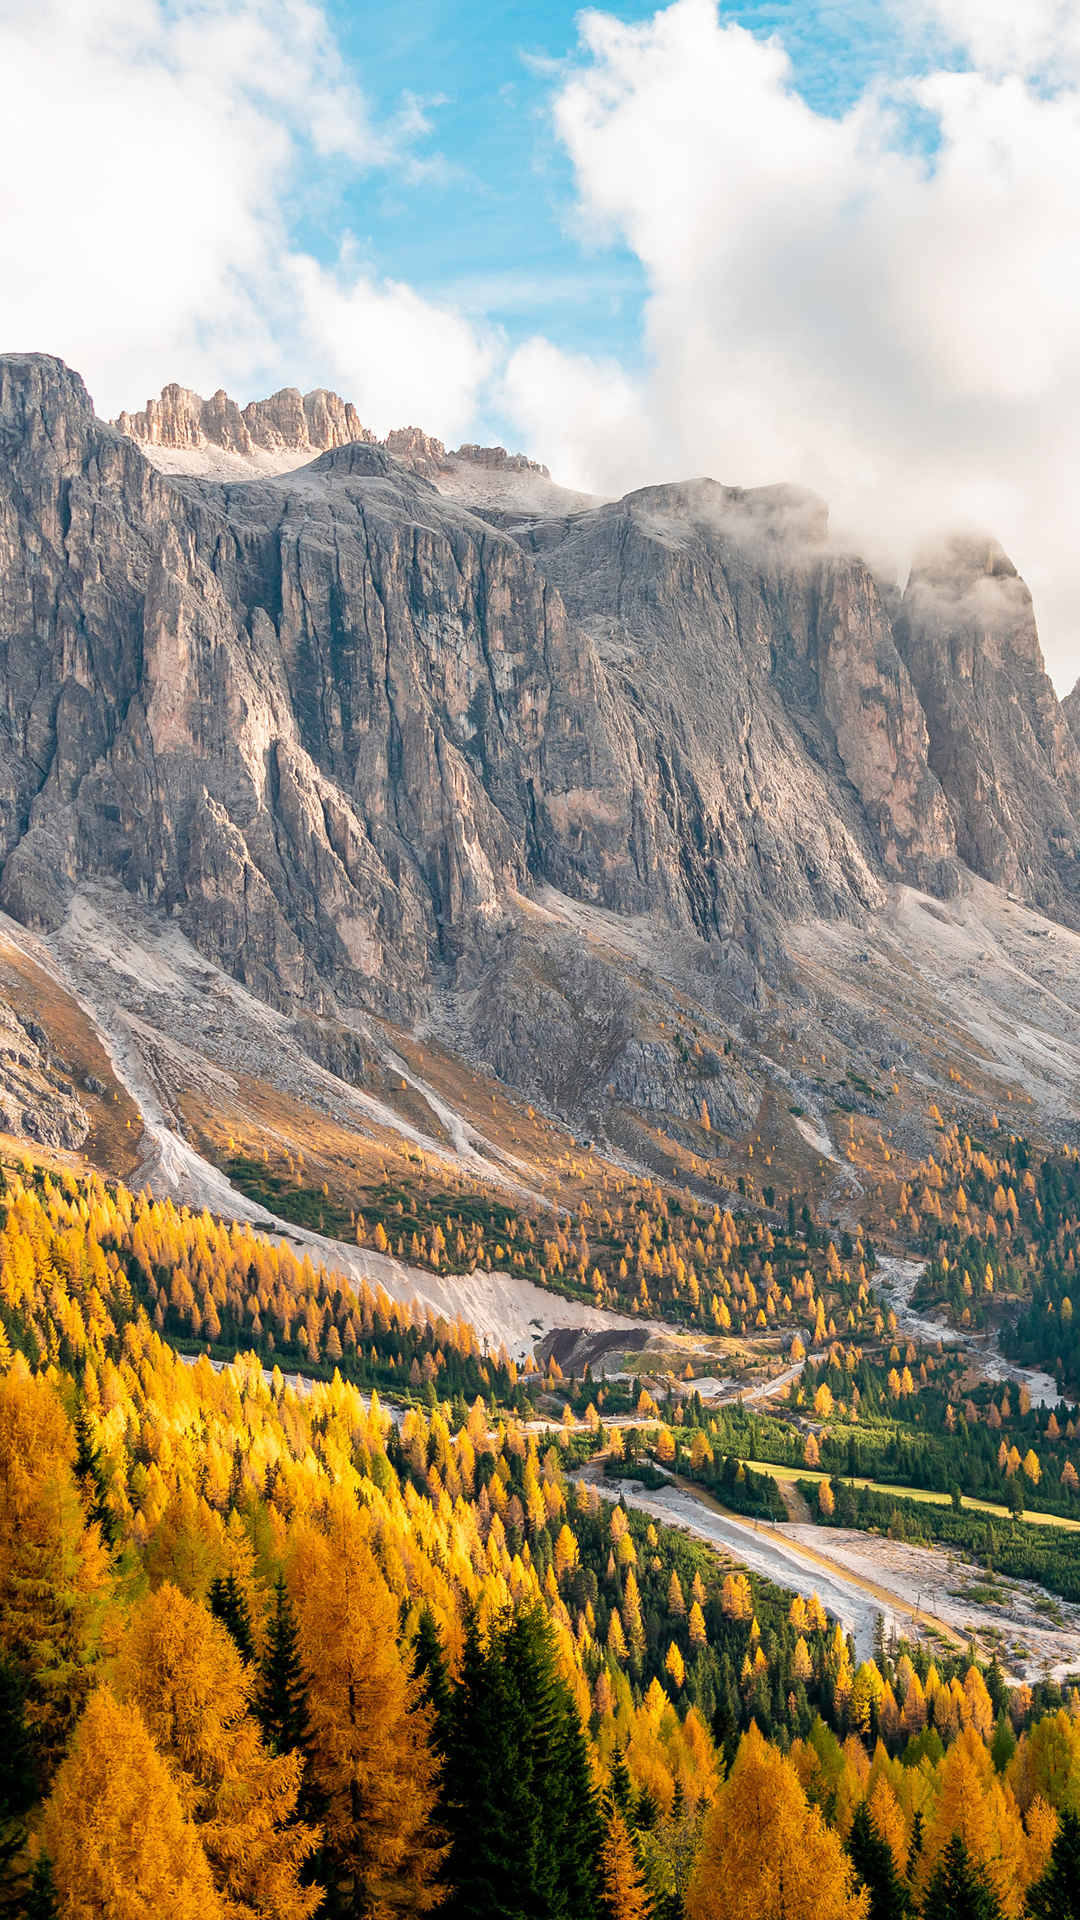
(1000, 742)
(331, 723)
(340, 725)
(307, 423)
(759, 674)
(1070, 707)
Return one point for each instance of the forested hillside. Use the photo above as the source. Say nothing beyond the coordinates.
(271, 1653)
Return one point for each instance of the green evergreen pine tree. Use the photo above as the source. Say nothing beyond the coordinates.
(646, 1811)
(91, 1475)
(959, 1889)
(1003, 1744)
(281, 1701)
(490, 1816)
(1056, 1895)
(916, 1844)
(40, 1902)
(727, 1712)
(622, 1787)
(871, 1856)
(18, 1787)
(227, 1604)
(432, 1675)
(521, 1809)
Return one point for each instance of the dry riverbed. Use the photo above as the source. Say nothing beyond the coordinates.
(1035, 1634)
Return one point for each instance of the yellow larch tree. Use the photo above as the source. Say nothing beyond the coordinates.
(625, 1895)
(371, 1758)
(1046, 1763)
(54, 1573)
(973, 1802)
(1042, 1826)
(180, 1668)
(114, 1828)
(675, 1666)
(889, 1824)
(766, 1851)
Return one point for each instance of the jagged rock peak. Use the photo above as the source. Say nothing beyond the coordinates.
(417, 449)
(968, 579)
(1000, 743)
(292, 422)
(287, 421)
(498, 457)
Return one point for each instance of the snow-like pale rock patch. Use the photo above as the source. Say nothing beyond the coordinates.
(816, 1135)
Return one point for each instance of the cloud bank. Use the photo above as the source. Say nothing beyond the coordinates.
(150, 152)
(883, 305)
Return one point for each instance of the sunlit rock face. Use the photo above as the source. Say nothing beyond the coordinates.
(343, 725)
(1000, 743)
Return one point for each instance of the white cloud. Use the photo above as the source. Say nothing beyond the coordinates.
(402, 360)
(896, 323)
(147, 153)
(582, 417)
(1036, 37)
(840, 301)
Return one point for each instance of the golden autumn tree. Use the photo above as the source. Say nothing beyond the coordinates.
(371, 1759)
(54, 1573)
(181, 1669)
(889, 1824)
(1046, 1763)
(675, 1666)
(114, 1828)
(974, 1803)
(624, 1892)
(765, 1851)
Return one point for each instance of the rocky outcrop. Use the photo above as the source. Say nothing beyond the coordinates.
(288, 421)
(181, 418)
(1000, 743)
(760, 677)
(867, 705)
(38, 1100)
(1070, 707)
(417, 450)
(498, 458)
(343, 729)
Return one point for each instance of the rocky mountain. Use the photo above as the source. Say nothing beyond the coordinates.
(762, 667)
(287, 422)
(371, 739)
(329, 724)
(290, 428)
(1000, 743)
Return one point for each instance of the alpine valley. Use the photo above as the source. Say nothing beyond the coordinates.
(540, 1156)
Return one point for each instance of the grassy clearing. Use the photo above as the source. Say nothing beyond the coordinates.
(925, 1495)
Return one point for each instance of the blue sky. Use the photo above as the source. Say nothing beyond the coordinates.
(495, 235)
(492, 228)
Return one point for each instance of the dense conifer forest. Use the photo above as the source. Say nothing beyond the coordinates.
(269, 1651)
